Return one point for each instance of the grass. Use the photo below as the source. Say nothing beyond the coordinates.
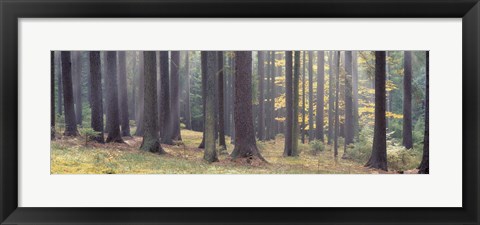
(71, 156)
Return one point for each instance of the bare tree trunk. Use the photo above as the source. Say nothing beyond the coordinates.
(272, 97)
(311, 134)
(378, 159)
(355, 92)
(52, 95)
(221, 101)
(261, 97)
(204, 92)
(188, 114)
(349, 127)
(303, 99)
(96, 96)
(210, 154)
(337, 97)
(296, 97)
(320, 95)
(175, 95)
(331, 100)
(424, 167)
(165, 118)
(407, 101)
(112, 99)
(122, 94)
(141, 95)
(59, 83)
(288, 150)
(77, 85)
(70, 119)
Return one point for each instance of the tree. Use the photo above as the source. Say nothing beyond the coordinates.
(150, 136)
(288, 150)
(311, 134)
(261, 97)
(113, 118)
(188, 114)
(424, 167)
(59, 84)
(407, 101)
(70, 119)
(320, 95)
(141, 95)
(378, 158)
(331, 100)
(165, 123)
(245, 144)
(221, 110)
(295, 102)
(355, 92)
(349, 127)
(77, 84)
(96, 96)
(175, 95)
(337, 113)
(203, 56)
(210, 154)
(122, 94)
(52, 95)
(273, 127)
(303, 99)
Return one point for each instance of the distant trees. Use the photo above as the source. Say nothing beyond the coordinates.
(378, 158)
(122, 94)
(150, 137)
(113, 117)
(424, 167)
(320, 96)
(96, 96)
(407, 101)
(245, 144)
(70, 119)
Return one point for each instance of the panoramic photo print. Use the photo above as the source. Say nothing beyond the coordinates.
(239, 112)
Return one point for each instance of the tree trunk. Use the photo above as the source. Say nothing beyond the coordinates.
(295, 102)
(303, 99)
(52, 95)
(337, 98)
(320, 95)
(272, 97)
(59, 84)
(113, 118)
(70, 119)
(355, 92)
(150, 137)
(311, 134)
(141, 95)
(245, 144)
(133, 102)
(331, 100)
(188, 114)
(77, 85)
(407, 101)
(349, 128)
(261, 97)
(221, 102)
(210, 154)
(122, 94)
(204, 92)
(288, 150)
(175, 95)
(96, 96)
(267, 97)
(165, 113)
(424, 167)
(378, 159)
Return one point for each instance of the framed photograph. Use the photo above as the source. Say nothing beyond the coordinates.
(231, 112)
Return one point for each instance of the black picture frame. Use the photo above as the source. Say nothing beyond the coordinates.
(12, 10)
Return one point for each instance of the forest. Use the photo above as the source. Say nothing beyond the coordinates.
(239, 112)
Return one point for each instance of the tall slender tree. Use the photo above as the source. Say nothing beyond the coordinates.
(295, 102)
(188, 113)
(59, 83)
(245, 144)
(331, 100)
(52, 95)
(122, 94)
(210, 154)
(320, 95)
(77, 84)
(311, 134)
(355, 92)
(337, 98)
(113, 118)
(268, 113)
(261, 97)
(378, 159)
(165, 121)
(203, 59)
(175, 95)
(221, 104)
(272, 97)
(141, 95)
(303, 97)
(407, 101)
(288, 149)
(349, 126)
(96, 96)
(424, 167)
(150, 136)
(70, 119)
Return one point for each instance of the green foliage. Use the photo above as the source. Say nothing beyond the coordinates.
(419, 131)
(88, 133)
(400, 159)
(317, 146)
(363, 147)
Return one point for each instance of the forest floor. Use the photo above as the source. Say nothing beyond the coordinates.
(72, 156)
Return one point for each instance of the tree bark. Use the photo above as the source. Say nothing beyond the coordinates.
(261, 97)
(320, 95)
(150, 137)
(70, 118)
(349, 127)
(188, 114)
(204, 92)
(337, 98)
(355, 92)
(165, 113)
(77, 85)
(175, 95)
(122, 94)
(245, 144)
(378, 159)
(59, 83)
(210, 154)
(331, 100)
(272, 98)
(303, 99)
(96, 96)
(288, 150)
(141, 95)
(295, 102)
(52, 95)
(311, 134)
(221, 104)
(113, 118)
(424, 167)
(407, 101)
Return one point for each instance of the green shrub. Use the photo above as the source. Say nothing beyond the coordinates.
(400, 159)
(88, 133)
(317, 146)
